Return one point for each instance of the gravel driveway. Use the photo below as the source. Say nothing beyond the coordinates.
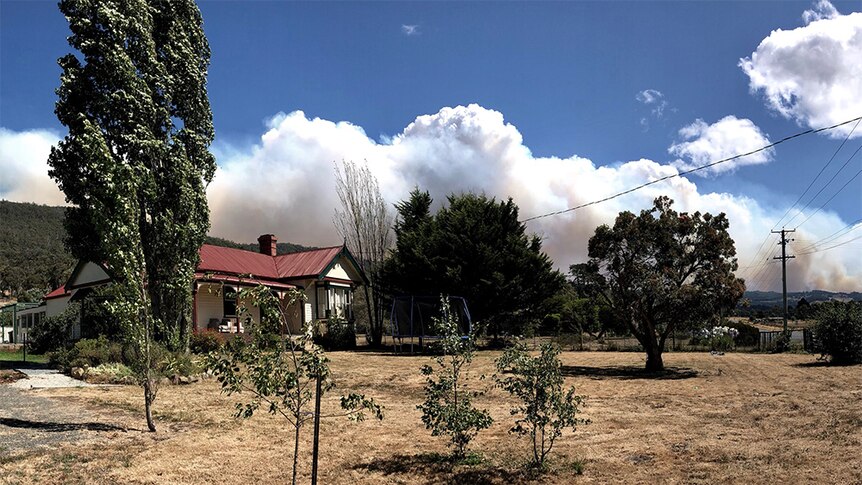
(28, 420)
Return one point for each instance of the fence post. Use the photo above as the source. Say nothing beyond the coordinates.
(316, 431)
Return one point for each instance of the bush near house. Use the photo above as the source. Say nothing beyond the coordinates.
(340, 335)
(205, 342)
(838, 331)
(53, 333)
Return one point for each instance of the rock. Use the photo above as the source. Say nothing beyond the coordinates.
(185, 380)
(78, 373)
(128, 380)
(164, 381)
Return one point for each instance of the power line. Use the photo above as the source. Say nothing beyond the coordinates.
(835, 235)
(696, 169)
(832, 247)
(818, 176)
(824, 186)
(830, 199)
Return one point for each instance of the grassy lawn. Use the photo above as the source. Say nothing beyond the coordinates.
(9, 358)
(737, 418)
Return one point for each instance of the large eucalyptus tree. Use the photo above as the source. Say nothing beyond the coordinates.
(135, 163)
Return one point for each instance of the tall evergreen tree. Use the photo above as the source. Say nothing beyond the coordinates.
(475, 248)
(136, 160)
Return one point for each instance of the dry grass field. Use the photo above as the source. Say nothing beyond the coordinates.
(740, 418)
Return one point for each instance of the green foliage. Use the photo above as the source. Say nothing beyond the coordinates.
(664, 270)
(53, 333)
(205, 342)
(448, 408)
(32, 255)
(89, 352)
(546, 409)
(135, 163)
(838, 331)
(278, 370)
(339, 335)
(475, 248)
(749, 335)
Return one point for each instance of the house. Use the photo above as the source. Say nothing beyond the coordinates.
(327, 277)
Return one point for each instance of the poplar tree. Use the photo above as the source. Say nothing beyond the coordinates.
(135, 163)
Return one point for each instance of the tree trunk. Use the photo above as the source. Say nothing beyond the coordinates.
(654, 362)
(149, 397)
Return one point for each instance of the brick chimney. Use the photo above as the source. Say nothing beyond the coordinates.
(267, 244)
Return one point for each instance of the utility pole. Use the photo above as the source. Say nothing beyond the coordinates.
(784, 257)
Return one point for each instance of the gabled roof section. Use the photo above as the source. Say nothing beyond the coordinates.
(218, 259)
(59, 292)
(306, 263)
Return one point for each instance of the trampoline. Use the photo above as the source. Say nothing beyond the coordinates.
(412, 318)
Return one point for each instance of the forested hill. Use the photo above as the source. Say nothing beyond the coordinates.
(32, 255)
(33, 258)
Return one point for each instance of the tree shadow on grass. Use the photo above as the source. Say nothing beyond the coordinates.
(439, 468)
(627, 372)
(58, 427)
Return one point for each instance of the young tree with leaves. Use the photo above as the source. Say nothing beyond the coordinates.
(546, 409)
(365, 222)
(665, 270)
(282, 372)
(135, 163)
(448, 407)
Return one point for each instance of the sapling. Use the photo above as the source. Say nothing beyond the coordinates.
(448, 408)
(282, 372)
(546, 409)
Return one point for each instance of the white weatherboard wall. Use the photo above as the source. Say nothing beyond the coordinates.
(210, 304)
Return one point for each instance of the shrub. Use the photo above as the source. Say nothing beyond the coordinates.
(748, 335)
(53, 333)
(838, 332)
(205, 342)
(546, 409)
(718, 338)
(111, 373)
(340, 335)
(448, 408)
(89, 352)
(178, 363)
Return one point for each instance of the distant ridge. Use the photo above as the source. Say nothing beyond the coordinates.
(34, 260)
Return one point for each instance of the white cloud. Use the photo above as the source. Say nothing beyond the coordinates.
(24, 167)
(822, 10)
(812, 74)
(284, 184)
(727, 137)
(410, 29)
(655, 99)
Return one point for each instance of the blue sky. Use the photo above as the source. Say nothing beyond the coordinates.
(571, 78)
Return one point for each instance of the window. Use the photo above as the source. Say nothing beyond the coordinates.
(334, 302)
(229, 301)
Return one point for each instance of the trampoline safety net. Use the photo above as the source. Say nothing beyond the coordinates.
(413, 316)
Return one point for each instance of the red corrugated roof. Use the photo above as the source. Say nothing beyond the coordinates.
(236, 261)
(218, 259)
(306, 263)
(61, 291)
(238, 280)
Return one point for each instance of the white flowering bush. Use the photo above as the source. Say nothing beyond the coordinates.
(719, 338)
